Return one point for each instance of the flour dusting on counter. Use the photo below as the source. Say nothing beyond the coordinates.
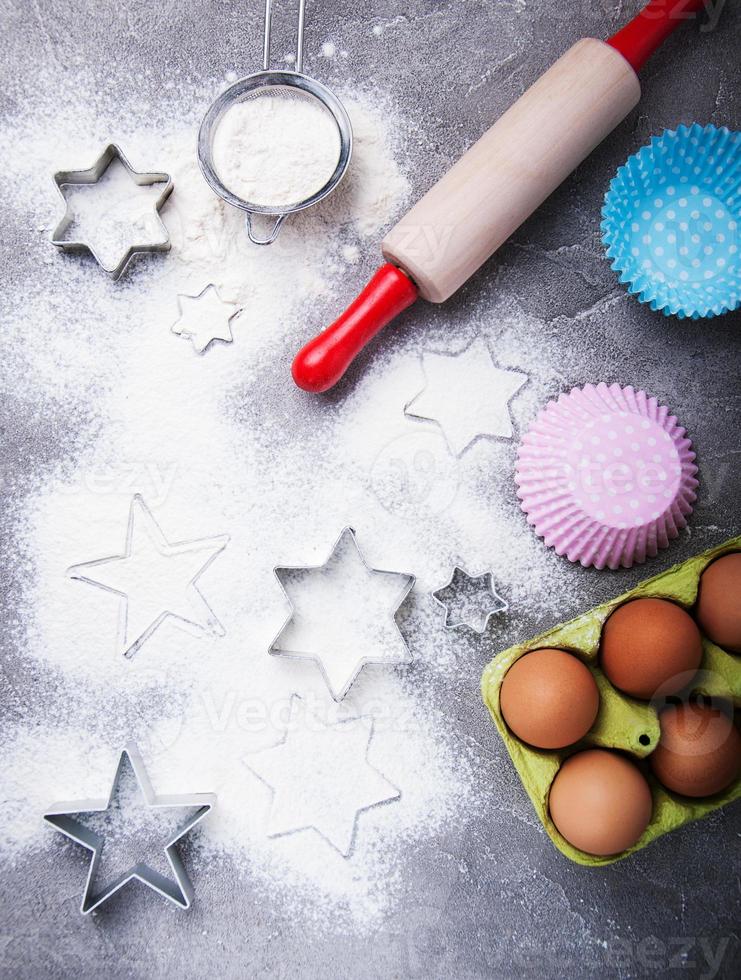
(192, 436)
(226, 444)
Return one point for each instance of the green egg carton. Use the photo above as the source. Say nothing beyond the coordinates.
(622, 723)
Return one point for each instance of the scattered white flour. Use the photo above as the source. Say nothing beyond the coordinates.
(224, 443)
(276, 150)
(308, 773)
(218, 444)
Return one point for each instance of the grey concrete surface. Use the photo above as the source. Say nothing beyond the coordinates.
(520, 909)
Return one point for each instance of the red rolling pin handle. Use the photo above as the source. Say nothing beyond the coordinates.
(323, 361)
(638, 40)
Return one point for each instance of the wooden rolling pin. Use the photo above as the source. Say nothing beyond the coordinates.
(496, 185)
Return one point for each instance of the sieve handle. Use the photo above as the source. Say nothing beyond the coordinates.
(269, 29)
(273, 234)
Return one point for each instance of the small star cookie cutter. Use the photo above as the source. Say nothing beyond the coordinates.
(203, 336)
(339, 686)
(180, 891)
(92, 175)
(460, 580)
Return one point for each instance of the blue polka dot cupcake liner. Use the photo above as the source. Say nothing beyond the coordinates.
(671, 222)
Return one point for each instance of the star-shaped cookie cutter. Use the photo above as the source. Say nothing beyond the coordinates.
(339, 693)
(91, 176)
(203, 338)
(459, 578)
(62, 816)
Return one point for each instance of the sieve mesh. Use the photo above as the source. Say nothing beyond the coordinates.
(276, 158)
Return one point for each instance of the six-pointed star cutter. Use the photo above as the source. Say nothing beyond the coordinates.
(92, 175)
(459, 581)
(361, 662)
(199, 334)
(179, 891)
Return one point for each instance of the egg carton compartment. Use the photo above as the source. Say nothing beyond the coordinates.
(622, 723)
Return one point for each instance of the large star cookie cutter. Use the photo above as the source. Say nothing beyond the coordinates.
(64, 817)
(67, 178)
(338, 673)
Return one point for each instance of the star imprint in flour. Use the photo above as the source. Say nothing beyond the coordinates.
(342, 615)
(321, 778)
(469, 600)
(122, 825)
(205, 318)
(155, 579)
(467, 395)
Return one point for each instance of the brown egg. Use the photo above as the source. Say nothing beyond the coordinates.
(700, 750)
(650, 647)
(549, 698)
(719, 602)
(600, 802)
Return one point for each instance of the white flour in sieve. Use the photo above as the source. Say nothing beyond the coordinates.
(275, 150)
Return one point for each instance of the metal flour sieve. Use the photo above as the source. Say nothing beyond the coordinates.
(283, 84)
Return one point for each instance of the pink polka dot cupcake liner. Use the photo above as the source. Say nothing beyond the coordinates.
(606, 476)
(671, 222)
